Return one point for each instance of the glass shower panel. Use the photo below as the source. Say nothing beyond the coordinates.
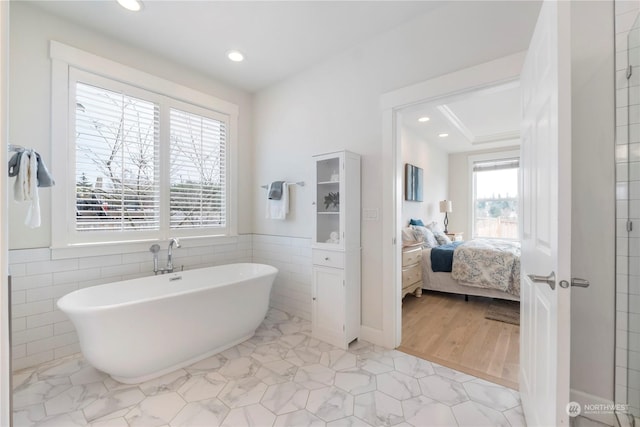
(632, 192)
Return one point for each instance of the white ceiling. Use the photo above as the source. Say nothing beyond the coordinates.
(478, 120)
(278, 39)
(282, 38)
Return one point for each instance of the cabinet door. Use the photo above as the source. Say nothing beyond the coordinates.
(329, 195)
(328, 305)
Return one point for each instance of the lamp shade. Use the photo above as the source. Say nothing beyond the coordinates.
(446, 206)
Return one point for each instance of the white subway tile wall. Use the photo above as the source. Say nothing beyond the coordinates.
(291, 291)
(627, 388)
(41, 332)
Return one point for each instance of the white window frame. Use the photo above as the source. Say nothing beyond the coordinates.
(70, 65)
(499, 155)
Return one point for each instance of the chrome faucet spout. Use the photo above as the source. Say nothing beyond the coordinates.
(173, 242)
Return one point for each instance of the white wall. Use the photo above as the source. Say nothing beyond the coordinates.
(460, 190)
(335, 105)
(435, 162)
(30, 100)
(593, 204)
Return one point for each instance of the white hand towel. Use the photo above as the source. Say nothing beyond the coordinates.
(278, 209)
(21, 186)
(33, 214)
(26, 187)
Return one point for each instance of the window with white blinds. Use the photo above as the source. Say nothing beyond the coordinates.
(146, 164)
(117, 173)
(197, 171)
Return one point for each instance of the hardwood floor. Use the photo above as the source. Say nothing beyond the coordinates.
(445, 329)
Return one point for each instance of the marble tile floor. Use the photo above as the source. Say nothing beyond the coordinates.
(280, 377)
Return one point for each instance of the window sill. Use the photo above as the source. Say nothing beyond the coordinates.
(112, 248)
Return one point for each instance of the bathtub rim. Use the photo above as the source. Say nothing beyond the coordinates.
(67, 309)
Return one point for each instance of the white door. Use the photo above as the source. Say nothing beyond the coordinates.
(328, 305)
(546, 219)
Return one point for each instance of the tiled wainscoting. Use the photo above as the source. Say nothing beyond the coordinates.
(41, 332)
(292, 256)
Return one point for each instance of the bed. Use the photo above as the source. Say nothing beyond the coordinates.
(480, 267)
(444, 282)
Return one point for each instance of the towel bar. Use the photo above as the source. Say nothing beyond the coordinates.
(300, 183)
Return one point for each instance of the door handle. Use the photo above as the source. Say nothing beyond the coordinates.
(549, 280)
(575, 281)
(581, 283)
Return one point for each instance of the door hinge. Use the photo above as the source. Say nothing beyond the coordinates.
(629, 71)
(343, 284)
(629, 226)
(393, 241)
(342, 328)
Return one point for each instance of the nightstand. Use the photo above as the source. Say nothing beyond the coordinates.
(455, 236)
(412, 269)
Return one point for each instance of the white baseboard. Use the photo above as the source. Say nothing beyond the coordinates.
(372, 335)
(608, 418)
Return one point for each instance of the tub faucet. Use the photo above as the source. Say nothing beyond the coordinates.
(172, 242)
(155, 249)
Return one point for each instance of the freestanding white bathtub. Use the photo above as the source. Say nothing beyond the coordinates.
(139, 329)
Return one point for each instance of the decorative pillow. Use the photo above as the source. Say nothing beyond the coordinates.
(409, 235)
(425, 235)
(434, 226)
(416, 222)
(442, 238)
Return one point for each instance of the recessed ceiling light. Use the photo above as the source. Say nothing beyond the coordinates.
(424, 119)
(235, 56)
(132, 5)
(443, 135)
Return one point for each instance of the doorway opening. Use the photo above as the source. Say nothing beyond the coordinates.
(448, 326)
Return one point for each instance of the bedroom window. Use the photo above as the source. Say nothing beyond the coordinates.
(145, 159)
(495, 198)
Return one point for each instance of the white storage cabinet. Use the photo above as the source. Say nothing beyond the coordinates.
(336, 248)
